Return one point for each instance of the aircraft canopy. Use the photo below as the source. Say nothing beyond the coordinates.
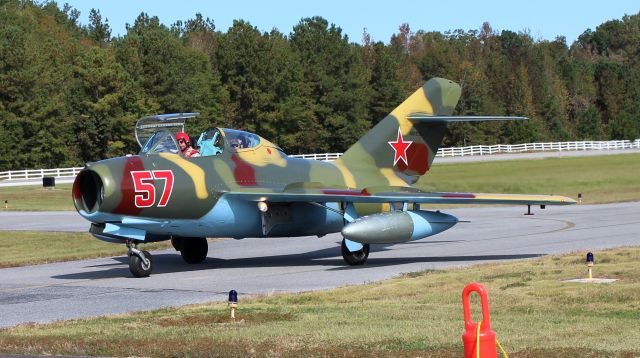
(172, 123)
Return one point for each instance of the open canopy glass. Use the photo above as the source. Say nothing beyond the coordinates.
(171, 123)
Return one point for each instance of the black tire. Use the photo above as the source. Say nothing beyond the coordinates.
(194, 249)
(136, 267)
(357, 257)
(176, 241)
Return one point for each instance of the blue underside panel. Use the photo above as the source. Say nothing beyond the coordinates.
(128, 232)
(233, 218)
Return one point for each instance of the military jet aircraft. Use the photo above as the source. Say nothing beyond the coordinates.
(245, 186)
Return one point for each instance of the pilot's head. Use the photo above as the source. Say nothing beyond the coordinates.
(183, 140)
(235, 143)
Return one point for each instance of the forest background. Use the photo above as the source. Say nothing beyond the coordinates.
(71, 93)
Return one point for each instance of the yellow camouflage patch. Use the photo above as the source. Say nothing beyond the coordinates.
(195, 172)
(416, 103)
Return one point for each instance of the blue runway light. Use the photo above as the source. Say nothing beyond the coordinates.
(233, 296)
(590, 258)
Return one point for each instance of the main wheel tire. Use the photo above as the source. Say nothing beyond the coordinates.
(176, 241)
(136, 265)
(357, 257)
(194, 249)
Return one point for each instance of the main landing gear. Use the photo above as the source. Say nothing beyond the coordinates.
(356, 257)
(140, 262)
(192, 249)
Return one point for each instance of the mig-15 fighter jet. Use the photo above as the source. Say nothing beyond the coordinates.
(244, 186)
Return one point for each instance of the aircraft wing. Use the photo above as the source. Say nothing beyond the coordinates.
(399, 194)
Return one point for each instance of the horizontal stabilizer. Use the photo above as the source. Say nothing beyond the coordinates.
(426, 118)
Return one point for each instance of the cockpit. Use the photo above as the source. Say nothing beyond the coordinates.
(240, 140)
(157, 134)
(161, 142)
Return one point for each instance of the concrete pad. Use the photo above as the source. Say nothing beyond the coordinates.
(592, 280)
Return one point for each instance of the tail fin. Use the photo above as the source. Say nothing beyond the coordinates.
(401, 148)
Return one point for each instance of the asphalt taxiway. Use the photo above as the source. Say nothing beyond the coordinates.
(68, 221)
(45, 293)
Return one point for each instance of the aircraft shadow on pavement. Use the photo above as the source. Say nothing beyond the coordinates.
(169, 262)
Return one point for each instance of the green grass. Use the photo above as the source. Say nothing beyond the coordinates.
(534, 313)
(600, 179)
(19, 248)
(36, 198)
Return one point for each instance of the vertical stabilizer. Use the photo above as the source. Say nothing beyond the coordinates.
(397, 151)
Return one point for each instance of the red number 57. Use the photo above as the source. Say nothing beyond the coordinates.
(144, 186)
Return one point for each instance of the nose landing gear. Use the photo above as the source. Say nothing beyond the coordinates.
(140, 262)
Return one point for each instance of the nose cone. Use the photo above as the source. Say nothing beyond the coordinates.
(427, 223)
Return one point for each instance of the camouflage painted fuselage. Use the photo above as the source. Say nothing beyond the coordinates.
(164, 194)
(196, 204)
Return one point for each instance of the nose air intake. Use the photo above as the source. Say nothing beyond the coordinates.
(88, 191)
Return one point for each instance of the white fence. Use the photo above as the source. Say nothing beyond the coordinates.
(442, 152)
(327, 157)
(40, 173)
(537, 147)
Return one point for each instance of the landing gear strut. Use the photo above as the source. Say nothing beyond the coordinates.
(140, 262)
(356, 257)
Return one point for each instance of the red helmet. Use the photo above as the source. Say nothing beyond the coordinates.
(183, 136)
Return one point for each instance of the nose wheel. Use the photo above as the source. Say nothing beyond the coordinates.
(140, 262)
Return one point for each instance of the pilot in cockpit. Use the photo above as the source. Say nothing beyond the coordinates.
(185, 145)
(235, 143)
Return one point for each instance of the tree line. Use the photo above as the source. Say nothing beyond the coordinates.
(71, 93)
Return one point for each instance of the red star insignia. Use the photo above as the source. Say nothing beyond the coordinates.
(400, 147)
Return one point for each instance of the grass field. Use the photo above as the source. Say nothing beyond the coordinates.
(36, 198)
(601, 179)
(534, 313)
(19, 248)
